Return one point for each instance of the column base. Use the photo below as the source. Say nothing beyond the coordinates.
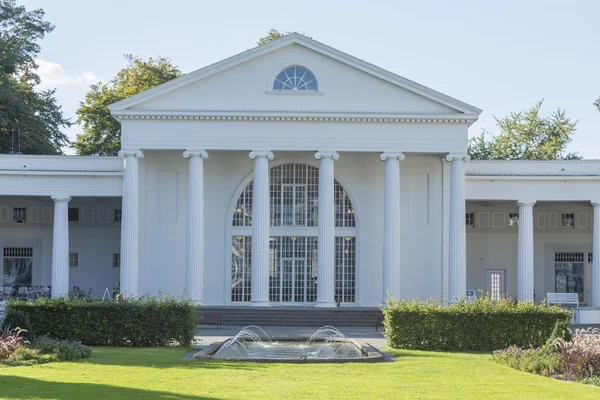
(259, 303)
(325, 304)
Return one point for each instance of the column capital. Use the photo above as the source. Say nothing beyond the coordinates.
(130, 153)
(385, 156)
(195, 153)
(61, 199)
(526, 203)
(453, 156)
(595, 203)
(324, 154)
(261, 153)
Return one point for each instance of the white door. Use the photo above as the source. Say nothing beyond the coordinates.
(495, 283)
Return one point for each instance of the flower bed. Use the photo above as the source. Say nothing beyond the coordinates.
(16, 351)
(575, 359)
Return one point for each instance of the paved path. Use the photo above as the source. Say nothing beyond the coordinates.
(208, 334)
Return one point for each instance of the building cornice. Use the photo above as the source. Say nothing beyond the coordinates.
(532, 177)
(302, 117)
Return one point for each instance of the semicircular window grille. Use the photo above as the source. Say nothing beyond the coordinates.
(295, 78)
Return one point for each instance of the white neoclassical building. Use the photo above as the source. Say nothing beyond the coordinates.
(294, 174)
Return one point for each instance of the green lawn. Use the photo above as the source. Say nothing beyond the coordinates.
(113, 373)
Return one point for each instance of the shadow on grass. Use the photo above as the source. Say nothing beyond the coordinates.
(158, 358)
(15, 387)
(400, 353)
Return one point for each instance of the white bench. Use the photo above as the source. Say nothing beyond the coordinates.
(563, 298)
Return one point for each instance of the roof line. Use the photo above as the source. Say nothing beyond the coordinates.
(308, 43)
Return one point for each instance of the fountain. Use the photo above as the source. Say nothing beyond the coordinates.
(326, 344)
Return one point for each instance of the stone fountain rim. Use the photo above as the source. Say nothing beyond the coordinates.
(371, 354)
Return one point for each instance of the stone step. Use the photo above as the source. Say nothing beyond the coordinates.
(288, 316)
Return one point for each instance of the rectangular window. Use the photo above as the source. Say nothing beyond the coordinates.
(17, 266)
(73, 214)
(345, 269)
(470, 220)
(118, 216)
(20, 214)
(73, 259)
(567, 220)
(116, 260)
(568, 273)
(513, 219)
(241, 268)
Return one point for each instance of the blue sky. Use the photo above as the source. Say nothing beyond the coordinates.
(500, 56)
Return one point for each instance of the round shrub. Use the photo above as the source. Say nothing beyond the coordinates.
(17, 319)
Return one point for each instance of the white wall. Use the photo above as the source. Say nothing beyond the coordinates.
(236, 106)
(493, 244)
(95, 237)
(342, 89)
(360, 173)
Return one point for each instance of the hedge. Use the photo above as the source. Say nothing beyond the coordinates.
(122, 322)
(481, 325)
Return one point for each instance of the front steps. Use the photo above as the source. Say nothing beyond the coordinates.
(296, 316)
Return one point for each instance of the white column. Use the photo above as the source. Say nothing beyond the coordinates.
(525, 252)
(457, 260)
(326, 231)
(194, 267)
(391, 225)
(596, 256)
(60, 247)
(259, 296)
(130, 223)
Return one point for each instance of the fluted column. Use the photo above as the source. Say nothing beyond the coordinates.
(457, 263)
(596, 257)
(326, 231)
(194, 265)
(391, 225)
(525, 252)
(259, 296)
(130, 223)
(60, 247)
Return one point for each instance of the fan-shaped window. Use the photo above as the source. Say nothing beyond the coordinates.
(295, 78)
(294, 194)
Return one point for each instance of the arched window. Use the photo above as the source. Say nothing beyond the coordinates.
(293, 243)
(295, 78)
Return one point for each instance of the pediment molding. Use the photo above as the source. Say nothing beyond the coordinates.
(428, 119)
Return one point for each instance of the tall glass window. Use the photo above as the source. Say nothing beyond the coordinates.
(294, 210)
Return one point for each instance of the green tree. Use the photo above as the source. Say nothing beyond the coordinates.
(272, 34)
(101, 132)
(526, 135)
(32, 118)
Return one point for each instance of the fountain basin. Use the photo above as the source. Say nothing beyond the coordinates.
(294, 350)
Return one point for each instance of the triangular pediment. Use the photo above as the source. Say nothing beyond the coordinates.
(243, 83)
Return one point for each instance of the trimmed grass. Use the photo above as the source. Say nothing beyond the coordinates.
(159, 373)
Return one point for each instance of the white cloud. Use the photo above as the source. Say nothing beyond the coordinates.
(53, 75)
